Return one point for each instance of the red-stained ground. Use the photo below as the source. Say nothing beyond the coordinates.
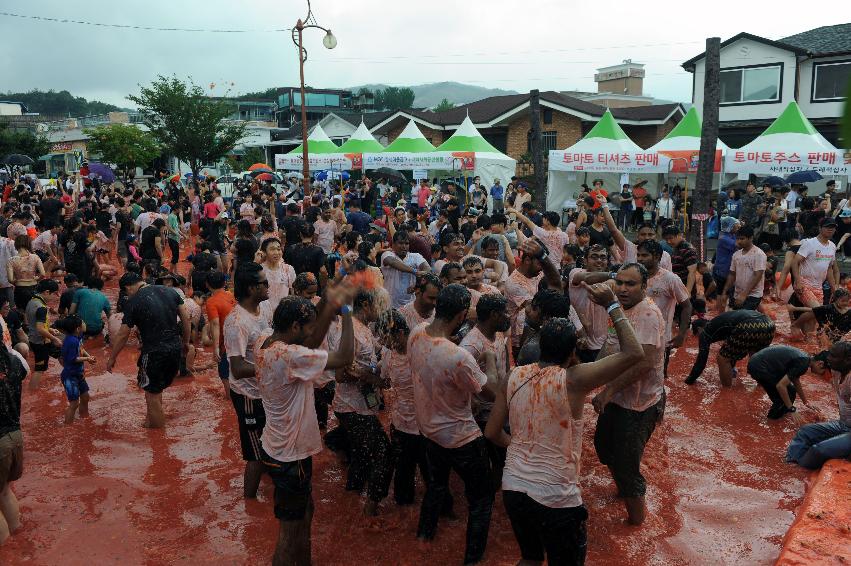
(104, 490)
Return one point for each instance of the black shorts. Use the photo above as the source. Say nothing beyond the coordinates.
(719, 283)
(293, 486)
(42, 354)
(23, 295)
(157, 369)
(619, 440)
(559, 532)
(251, 419)
(749, 304)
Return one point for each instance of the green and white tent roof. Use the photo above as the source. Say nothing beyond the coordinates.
(411, 140)
(467, 138)
(360, 142)
(605, 137)
(685, 136)
(318, 142)
(791, 134)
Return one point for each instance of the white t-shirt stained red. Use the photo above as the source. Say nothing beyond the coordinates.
(745, 265)
(445, 378)
(286, 373)
(817, 260)
(666, 289)
(241, 330)
(646, 319)
(543, 458)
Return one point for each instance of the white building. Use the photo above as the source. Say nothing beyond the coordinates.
(8, 108)
(760, 76)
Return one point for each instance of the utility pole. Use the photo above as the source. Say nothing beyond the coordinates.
(537, 149)
(708, 142)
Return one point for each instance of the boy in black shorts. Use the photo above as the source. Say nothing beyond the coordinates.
(44, 340)
(154, 309)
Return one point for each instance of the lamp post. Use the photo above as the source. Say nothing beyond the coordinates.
(330, 42)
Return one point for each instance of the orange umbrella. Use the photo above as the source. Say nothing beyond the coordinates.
(175, 177)
(259, 167)
(264, 177)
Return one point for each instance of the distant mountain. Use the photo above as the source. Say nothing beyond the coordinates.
(430, 95)
(62, 103)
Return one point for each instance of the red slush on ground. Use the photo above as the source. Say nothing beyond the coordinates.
(105, 490)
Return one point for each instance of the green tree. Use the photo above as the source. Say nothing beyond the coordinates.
(188, 125)
(123, 144)
(62, 103)
(253, 155)
(444, 105)
(23, 142)
(394, 98)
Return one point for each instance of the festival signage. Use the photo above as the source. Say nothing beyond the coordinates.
(625, 162)
(319, 161)
(60, 147)
(782, 162)
(440, 160)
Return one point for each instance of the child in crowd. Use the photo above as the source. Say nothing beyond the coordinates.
(73, 358)
(133, 249)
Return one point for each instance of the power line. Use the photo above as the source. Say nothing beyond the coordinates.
(145, 28)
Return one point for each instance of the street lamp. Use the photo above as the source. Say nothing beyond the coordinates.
(330, 42)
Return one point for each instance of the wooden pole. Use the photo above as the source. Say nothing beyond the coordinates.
(537, 149)
(708, 142)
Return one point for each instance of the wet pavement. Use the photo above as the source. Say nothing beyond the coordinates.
(104, 490)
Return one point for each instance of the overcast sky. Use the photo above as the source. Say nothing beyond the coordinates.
(509, 44)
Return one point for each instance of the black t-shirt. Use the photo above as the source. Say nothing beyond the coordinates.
(153, 310)
(602, 237)
(14, 323)
(148, 248)
(291, 225)
(125, 220)
(103, 221)
(12, 376)
(66, 300)
(51, 212)
(771, 364)
(836, 324)
(306, 257)
(74, 246)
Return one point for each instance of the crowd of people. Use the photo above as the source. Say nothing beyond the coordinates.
(416, 334)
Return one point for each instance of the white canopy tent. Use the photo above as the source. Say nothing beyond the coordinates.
(789, 144)
(606, 151)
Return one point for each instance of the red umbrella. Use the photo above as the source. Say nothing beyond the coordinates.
(264, 177)
(175, 178)
(259, 167)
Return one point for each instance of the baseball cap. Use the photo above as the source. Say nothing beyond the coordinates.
(845, 213)
(828, 221)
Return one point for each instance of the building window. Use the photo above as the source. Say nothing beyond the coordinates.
(830, 80)
(547, 116)
(750, 84)
(548, 141)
